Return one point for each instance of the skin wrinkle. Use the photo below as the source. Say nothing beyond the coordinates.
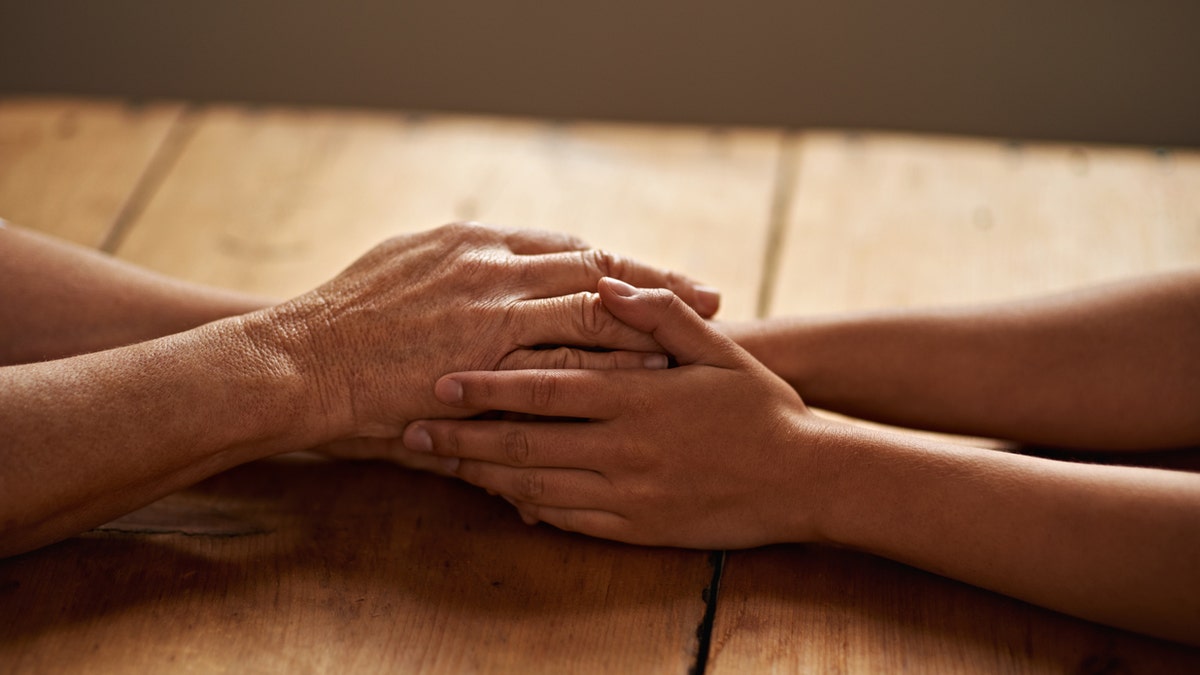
(230, 378)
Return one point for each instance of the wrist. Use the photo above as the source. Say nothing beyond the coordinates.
(269, 375)
(820, 449)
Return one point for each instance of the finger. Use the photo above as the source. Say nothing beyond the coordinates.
(593, 522)
(568, 357)
(564, 488)
(686, 336)
(389, 449)
(562, 273)
(580, 320)
(565, 445)
(536, 242)
(590, 394)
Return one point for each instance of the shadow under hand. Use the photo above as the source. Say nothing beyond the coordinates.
(301, 557)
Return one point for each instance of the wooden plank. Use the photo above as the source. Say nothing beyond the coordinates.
(815, 609)
(306, 565)
(290, 565)
(279, 200)
(886, 220)
(68, 166)
(883, 220)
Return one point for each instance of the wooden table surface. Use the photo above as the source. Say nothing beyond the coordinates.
(299, 564)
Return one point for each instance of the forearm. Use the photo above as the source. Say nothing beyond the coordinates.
(58, 300)
(85, 439)
(1117, 545)
(1113, 367)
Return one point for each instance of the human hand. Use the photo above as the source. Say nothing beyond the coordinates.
(461, 297)
(718, 453)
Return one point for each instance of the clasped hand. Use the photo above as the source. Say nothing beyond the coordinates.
(692, 456)
(461, 297)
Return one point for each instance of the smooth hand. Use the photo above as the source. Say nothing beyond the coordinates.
(712, 454)
(462, 297)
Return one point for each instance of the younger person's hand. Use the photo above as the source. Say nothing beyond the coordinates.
(706, 455)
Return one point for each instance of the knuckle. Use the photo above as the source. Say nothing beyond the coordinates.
(530, 486)
(562, 358)
(542, 390)
(574, 359)
(451, 443)
(565, 358)
(594, 319)
(569, 521)
(465, 230)
(607, 264)
(516, 447)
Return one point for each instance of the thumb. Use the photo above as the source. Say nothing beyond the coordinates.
(674, 325)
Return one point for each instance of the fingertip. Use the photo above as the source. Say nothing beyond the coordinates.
(656, 361)
(527, 518)
(416, 438)
(617, 287)
(523, 510)
(708, 301)
(448, 390)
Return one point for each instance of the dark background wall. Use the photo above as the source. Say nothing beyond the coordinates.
(1119, 70)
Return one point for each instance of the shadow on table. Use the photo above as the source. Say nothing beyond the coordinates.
(302, 548)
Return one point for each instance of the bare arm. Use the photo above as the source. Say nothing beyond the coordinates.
(86, 438)
(58, 299)
(721, 453)
(1110, 367)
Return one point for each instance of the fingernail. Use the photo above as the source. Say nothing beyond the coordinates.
(418, 439)
(448, 464)
(708, 300)
(656, 361)
(448, 391)
(620, 288)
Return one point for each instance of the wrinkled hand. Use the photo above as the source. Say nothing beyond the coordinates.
(707, 455)
(461, 297)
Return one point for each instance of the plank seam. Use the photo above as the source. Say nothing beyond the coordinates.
(152, 178)
(705, 629)
(781, 206)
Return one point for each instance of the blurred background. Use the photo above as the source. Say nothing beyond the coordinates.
(1106, 70)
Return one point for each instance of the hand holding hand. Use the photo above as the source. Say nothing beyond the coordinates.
(707, 455)
(462, 297)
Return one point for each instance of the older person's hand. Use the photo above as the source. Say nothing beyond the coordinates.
(462, 297)
(345, 367)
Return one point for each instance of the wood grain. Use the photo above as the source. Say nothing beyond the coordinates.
(276, 201)
(317, 566)
(68, 166)
(882, 220)
(815, 609)
(305, 565)
(300, 564)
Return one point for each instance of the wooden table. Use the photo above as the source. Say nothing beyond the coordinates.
(305, 565)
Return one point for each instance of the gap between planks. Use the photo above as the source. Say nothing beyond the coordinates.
(782, 194)
(152, 177)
